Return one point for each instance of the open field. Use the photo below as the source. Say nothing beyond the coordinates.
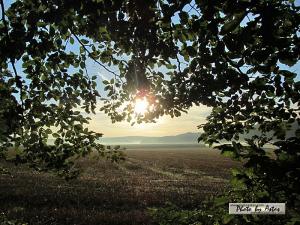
(109, 193)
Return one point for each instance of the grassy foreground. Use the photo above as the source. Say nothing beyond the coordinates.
(107, 193)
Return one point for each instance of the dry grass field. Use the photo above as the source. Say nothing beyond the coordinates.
(107, 193)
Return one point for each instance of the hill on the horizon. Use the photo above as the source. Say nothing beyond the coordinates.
(186, 138)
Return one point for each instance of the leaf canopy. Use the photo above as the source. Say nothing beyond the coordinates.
(234, 56)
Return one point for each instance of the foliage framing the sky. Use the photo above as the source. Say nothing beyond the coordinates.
(231, 55)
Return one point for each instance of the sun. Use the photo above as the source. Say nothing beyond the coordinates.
(141, 106)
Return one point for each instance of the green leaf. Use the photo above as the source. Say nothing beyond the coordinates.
(235, 171)
(106, 82)
(184, 16)
(71, 40)
(169, 66)
(82, 65)
(233, 23)
(287, 74)
(229, 154)
(238, 184)
(227, 218)
(55, 135)
(84, 41)
(48, 131)
(191, 51)
(220, 201)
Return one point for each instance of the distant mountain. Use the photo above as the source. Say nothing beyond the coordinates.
(186, 138)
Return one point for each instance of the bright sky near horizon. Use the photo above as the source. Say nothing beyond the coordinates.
(165, 125)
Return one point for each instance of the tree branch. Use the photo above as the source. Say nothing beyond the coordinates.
(12, 61)
(179, 66)
(93, 58)
(232, 64)
(193, 7)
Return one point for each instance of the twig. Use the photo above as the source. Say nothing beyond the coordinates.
(3, 16)
(193, 7)
(248, 17)
(232, 64)
(178, 63)
(93, 58)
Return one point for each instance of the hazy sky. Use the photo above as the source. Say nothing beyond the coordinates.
(164, 126)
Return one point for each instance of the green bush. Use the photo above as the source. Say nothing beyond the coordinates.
(5, 221)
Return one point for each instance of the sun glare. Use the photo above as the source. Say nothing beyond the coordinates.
(140, 106)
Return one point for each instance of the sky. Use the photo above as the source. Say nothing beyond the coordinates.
(165, 126)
